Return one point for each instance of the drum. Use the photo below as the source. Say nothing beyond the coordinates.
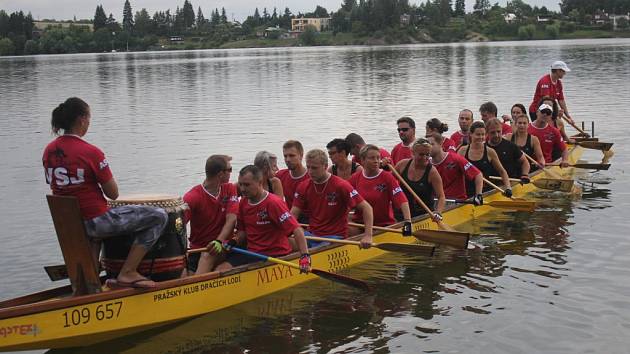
(166, 259)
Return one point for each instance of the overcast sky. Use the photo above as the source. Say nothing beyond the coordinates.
(239, 9)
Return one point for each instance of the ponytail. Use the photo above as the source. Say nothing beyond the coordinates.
(436, 124)
(66, 114)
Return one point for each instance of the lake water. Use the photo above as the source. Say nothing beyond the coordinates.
(555, 281)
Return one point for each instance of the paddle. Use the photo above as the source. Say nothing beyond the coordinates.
(550, 172)
(441, 224)
(456, 239)
(595, 145)
(385, 246)
(562, 185)
(518, 205)
(588, 166)
(338, 278)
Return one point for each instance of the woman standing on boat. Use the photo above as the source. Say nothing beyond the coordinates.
(77, 168)
(484, 158)
(423, 179)
(433, 126)
(380, 189)
(268, 164)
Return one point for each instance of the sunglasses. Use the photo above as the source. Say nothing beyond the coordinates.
(546, 111)
(400, 130)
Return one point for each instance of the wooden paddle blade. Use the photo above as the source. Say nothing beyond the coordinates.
(355, 283)
(592, 166)
(579, 139)
(554, 184)
(596, 145)
(450, 238)
(519, 205)
(421, 250)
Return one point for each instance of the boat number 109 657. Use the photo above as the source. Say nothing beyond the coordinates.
(86, 314)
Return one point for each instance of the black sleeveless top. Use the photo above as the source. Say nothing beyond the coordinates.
(353, 168)
(485, 166)
(528, 148)
(421, 187)
(269, 186)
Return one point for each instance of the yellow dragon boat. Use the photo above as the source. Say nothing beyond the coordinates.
(56, 319)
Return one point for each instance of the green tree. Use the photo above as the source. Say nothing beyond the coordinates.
(100, 18)
(460, 8)
(127, 22)
(223, 15)
(309, 36)
(6, 47)
(552, 31)
(622, 24)
(201, 20)
(188, 16)
(31, 47)
(4, 24)
(526, 32)
(481, 7)
(143, 23)
(111, 24)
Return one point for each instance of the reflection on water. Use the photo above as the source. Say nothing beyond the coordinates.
(551, 281)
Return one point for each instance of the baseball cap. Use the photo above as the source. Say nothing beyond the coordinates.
(560, 65)
(545, 106)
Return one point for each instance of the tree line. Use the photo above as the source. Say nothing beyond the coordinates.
(444, 20)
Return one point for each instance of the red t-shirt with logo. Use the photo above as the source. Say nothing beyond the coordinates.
(328, 204)
(267, 224)
(289, 184)
(207, 212)
(505, 128)
(454, 170)
(381, 191)
(74, 167)
(549, 138)
(401, 152)
(457, 138)
(546, 87)
(448, 145)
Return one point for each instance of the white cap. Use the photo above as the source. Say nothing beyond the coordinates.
(545, 106)
(560, 65)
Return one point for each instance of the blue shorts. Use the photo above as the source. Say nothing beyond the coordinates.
(144, 223)
(312, 244)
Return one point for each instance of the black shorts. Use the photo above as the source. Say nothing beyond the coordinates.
(193, 261)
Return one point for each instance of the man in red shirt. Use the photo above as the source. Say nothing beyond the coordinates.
(265, 222)
(551, 85)
(455, 170)
(329, 199)
(407, 133)
(381, 190)
(461, 137)
(212, 209)
(295, 172)
(488, 111)
(356, 143)
(548, 136)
